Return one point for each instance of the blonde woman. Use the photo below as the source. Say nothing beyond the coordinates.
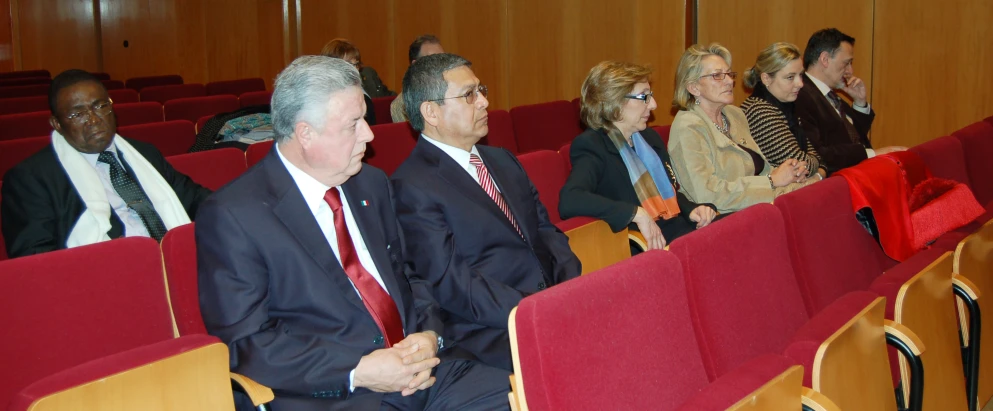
(714, 155)
(776, 80)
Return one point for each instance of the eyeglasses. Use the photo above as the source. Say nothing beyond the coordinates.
(100, 109)
(469, 96)
(720, 76)
(646, 97)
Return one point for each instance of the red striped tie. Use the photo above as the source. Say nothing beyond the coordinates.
(376, 300)
(487, 183)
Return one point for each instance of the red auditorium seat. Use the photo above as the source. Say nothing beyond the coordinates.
(255, 98)
(636, 310)
(390, 147)
(179, 250)
(170, 137)
(977, 145)
(548, 173)
(663, 132)
(501, 133)
(381, 106)
(565, 152)
(25, 73)
(19, 105)
(123, 96)
(79, 305)
(193, 108)
(138, 83)
(944, 157)
(26, 81)
(235, 87)
(3, 244)
(203, 122)
(24, 91)
(112, 84)
(212, 168)
(129, 114)
(256, 152)
(101, 76)
(25, 125)
(12, 152)
(545, 126)
(163, 94)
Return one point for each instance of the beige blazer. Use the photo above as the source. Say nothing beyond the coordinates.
(713, 169)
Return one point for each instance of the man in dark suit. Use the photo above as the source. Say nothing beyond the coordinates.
(839, 131)
(476, 231)
(91, 185)
(301, 267)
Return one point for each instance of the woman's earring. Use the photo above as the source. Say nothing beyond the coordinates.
(697, 101)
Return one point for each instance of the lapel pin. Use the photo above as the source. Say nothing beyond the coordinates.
(364, 203)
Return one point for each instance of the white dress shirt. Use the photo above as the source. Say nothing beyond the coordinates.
(133, 226)
(825, 89)
(313, 193)
(462, 158)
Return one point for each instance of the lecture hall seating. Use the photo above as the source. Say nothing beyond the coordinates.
(169, 137)
(162, 94)
(138, 83)
(235, 87)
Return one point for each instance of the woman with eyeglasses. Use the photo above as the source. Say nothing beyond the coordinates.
(775, 80)
(620, 167)
(713, 152)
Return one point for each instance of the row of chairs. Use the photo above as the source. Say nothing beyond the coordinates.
(39, 85)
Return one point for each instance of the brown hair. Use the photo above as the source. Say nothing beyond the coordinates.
(604, 90)
(770, 61)
(342, 49)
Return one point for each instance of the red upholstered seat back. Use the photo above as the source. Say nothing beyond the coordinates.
(100, 76)
(944, 157)
(663, 132)
(545, 126)
(24, 91)
(26, 73)
(195, 107)
(18, 105)
(235, 87)
(129, 114)
(179, 250)
(977, 145)
(548, 173)
(565, 152)
(830, 251)
(3, 244)
(138, 83)
(113, 84)
(381, 106)
(391, 144)
(628, 323)
(124, 95)
(68, 307)
(743, 295)
(255, 98)
(12, 152)
(212, 168)
(163, 94)
(170, 137)
(501, 132)
(25, 125)
(256, 152)
(24, 81)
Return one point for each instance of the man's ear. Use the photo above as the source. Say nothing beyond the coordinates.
(431, 112)
(303, 133)
(824, 59)
(54, 122)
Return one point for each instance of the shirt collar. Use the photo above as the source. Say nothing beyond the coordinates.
(313, 191)
(459, 155)
(93, 157)
(824, 88)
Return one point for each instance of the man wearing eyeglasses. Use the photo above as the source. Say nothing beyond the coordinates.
(91, 185)
(478, 236)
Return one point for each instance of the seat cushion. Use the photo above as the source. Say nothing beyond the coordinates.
(739, 383)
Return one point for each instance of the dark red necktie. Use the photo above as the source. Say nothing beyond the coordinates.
(376, 299)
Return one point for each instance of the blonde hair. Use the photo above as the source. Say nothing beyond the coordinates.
(770, 61)
(604, 90)
(342, 49)
(688, 71)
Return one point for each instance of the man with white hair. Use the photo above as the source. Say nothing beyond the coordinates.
(301, 267)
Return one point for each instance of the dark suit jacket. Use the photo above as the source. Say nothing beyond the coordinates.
(40, 205)
(599, 186)
(272, 289)
(465, 249)
(829, 132)
(373, 85)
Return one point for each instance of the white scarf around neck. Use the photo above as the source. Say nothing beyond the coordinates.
(94, 223)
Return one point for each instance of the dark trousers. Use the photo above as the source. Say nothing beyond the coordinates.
(460, 385)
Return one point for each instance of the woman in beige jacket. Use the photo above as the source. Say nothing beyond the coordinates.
(714, 155)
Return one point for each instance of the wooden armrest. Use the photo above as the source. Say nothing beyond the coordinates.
(816, 401)
(595, 244)
(638, 239)
(258, 393)
(514, 405)
(905, 335)
(971, 289)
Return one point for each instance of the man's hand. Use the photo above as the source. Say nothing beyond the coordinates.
(855, 88)
(649, 229)
(702, 215)
(384, 370)
(426, 343)
(890, 149)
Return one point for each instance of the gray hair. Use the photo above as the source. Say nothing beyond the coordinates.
(689, 69)
(425, 81)
(304, 88)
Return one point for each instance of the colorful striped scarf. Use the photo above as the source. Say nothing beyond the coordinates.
(647, 173)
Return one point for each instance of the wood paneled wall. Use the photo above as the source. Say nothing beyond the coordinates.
(55, 34)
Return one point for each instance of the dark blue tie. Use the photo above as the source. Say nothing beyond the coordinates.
(134, 196)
